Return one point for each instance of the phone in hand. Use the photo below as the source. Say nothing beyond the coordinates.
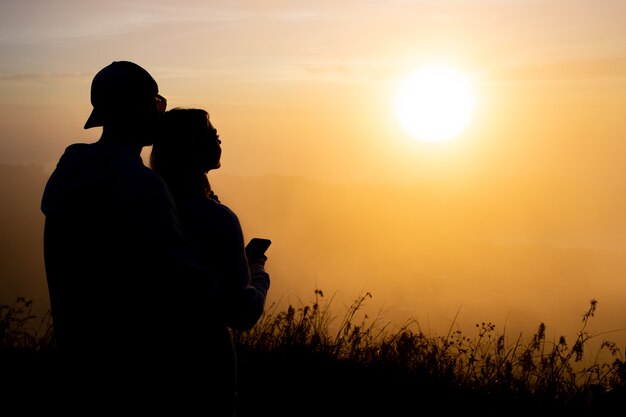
(257, 246)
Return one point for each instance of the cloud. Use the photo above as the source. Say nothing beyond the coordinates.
(44, 77)
(601, 68)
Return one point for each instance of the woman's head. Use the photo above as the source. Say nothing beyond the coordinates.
(187, 146)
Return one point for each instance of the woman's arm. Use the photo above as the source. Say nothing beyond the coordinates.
(216, 232)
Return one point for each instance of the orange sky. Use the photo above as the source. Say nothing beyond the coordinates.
(305, 89)
(315, 80)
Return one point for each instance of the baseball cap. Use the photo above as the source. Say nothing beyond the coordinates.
(119, 84)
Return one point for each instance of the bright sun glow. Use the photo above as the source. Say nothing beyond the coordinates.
(435, 104)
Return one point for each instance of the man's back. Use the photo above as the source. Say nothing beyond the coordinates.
(113, 250)
(96, 245)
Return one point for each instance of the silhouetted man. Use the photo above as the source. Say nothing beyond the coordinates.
(121, 277)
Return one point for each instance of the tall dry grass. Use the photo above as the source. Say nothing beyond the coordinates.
(306, 360)
(305, 351)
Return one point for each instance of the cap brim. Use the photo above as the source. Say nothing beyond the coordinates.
(95, 119)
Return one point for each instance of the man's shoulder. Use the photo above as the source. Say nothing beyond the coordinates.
(126, 167)
(145, 179)
(125, 159)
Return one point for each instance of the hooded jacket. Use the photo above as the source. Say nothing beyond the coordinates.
(121, 276)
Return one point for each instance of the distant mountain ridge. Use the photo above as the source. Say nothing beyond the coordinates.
(496, 251)
(21, 235)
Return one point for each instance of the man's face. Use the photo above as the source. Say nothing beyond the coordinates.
(160, 103)
(148, 118)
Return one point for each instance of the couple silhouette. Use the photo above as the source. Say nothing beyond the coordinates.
(146, 269)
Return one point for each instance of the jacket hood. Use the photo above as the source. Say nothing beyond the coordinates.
(82, 169)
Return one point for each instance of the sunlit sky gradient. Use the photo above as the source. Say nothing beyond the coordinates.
(306, 89)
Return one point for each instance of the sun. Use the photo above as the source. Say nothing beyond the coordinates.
(435, 104)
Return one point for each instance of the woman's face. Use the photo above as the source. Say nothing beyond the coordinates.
(214, 150)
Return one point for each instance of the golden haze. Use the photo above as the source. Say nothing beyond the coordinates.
(520, 219)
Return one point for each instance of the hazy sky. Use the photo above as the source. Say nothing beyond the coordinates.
(306, 89)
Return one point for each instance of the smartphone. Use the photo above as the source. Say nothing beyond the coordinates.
(257, 247)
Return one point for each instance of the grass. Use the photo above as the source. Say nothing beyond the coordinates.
(364, 366)
(20, 331)
(305, 360)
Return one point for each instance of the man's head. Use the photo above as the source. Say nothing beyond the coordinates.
(124, 94)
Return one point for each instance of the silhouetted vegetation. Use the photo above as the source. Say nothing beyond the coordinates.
(304, 360)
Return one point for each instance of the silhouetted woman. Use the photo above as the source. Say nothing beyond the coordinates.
(186, 149)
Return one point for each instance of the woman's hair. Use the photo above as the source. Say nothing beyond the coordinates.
(180, 153)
